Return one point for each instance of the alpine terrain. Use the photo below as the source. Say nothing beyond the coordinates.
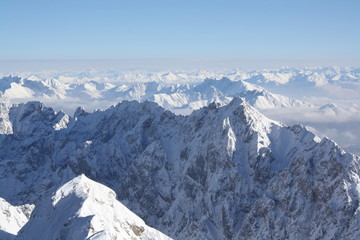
(181, 98)
(222, 172)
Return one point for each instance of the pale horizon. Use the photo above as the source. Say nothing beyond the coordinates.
(7, 66)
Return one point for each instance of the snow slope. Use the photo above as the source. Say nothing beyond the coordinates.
(12, 218)
(222, 172)
(84, 209)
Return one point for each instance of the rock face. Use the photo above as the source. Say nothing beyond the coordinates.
(5, 124)
(220, 173)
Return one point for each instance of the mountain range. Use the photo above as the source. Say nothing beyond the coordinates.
(177, 98)
(290, 95)
(282, 76)
(221, 172)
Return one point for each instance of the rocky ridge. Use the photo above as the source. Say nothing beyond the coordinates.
(223, 172)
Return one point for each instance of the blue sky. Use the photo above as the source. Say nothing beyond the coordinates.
(144, 29)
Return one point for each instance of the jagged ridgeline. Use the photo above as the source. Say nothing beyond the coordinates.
(220, 173)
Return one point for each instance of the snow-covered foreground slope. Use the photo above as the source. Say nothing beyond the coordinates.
(12, 218)
(220, 173)
(84, 209)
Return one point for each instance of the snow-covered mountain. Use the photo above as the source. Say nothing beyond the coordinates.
(84, 209)
(12, 218)
(305, 76)
(183, 91)
(219, 173)
(179, 89)
(281, 76)
(175, 97)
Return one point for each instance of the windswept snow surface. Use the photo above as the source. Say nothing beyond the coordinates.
(222, 172)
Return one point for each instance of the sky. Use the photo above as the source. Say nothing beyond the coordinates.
(307, 30)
